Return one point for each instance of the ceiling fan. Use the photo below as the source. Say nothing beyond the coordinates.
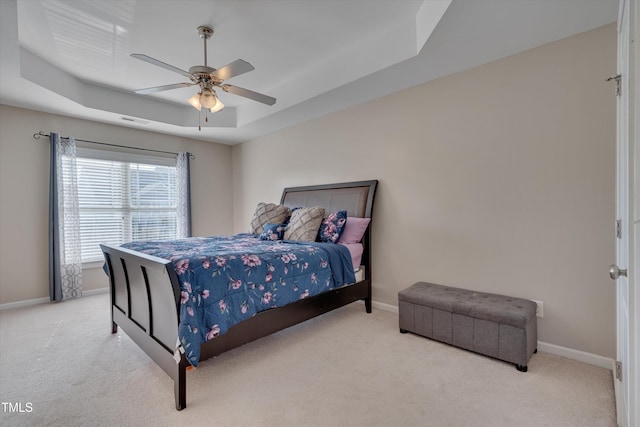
(207, 78)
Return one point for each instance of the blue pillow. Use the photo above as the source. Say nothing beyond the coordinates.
(272, 232)
(332, 227)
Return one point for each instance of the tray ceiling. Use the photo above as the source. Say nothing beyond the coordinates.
(72, 57)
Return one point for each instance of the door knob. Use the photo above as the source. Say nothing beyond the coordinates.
(615, 272)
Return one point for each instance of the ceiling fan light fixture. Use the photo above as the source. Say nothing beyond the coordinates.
(219, 106)
(195, 101)
(208, 98)
(206, 95)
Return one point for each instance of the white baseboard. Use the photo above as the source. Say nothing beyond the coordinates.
(36, 301)
(95, 292)
(569, 353)
(25, 303)
(385, 307)
(580, 356)
(382, 306)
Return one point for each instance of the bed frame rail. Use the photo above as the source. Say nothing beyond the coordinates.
(273, 320)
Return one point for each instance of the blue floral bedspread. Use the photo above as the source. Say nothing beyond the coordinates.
(225, 280)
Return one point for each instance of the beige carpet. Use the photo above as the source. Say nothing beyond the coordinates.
(346, 368)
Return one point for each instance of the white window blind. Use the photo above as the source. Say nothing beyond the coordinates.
(124, 200)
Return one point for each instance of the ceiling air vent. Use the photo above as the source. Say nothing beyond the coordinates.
(131, 119)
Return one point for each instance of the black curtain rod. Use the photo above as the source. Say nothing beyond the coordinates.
(39, 134)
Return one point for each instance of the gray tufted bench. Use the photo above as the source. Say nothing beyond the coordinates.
(489, 324)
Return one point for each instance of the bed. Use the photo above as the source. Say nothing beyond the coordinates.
(148, 292)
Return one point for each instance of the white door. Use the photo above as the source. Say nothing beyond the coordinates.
(619, 271)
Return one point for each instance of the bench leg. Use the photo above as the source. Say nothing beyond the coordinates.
(403, 331)
(521, 368)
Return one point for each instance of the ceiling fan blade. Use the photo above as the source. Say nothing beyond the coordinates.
(161, 88)
(164, 65)
(233, 69)
(249, 94)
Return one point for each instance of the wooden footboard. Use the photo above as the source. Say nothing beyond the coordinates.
(145, 298)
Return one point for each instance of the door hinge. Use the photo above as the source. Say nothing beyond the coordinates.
(619, 228)
(618, 79)
(618, 370)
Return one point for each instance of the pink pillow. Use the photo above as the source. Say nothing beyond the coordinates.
(356, 250)
(354, 230)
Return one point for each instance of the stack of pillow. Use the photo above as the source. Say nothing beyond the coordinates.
(278, 222)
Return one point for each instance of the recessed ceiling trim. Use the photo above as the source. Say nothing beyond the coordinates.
(428, 16)
(106, 99)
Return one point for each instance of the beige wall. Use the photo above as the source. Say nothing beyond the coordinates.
(498, 179)
(24, 192)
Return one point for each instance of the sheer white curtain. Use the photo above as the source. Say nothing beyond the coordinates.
(65, 264)
(184, 195)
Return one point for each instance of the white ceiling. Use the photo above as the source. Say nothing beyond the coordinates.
(71, 57)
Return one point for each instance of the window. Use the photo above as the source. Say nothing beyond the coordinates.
(123, 198)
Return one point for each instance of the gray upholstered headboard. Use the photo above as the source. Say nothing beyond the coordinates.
(354, 197)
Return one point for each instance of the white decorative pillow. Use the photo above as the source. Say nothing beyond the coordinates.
(268, 213)
(304, 224)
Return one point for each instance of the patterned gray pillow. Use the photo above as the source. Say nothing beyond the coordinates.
(304, 224)
(268, 213)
